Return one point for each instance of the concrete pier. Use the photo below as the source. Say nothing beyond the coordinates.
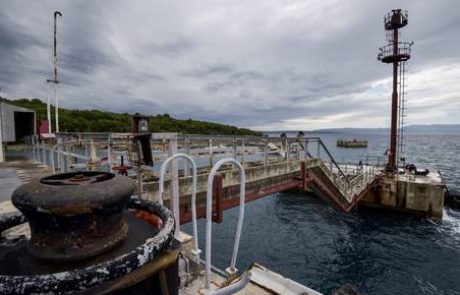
(271, 165)
(416, 194)
(423, 195)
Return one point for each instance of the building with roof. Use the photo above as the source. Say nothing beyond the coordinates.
(16, 122)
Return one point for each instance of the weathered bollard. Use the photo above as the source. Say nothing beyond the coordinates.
(74, 215)
(88, 236)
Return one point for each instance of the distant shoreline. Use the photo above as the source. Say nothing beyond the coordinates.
(410, 129)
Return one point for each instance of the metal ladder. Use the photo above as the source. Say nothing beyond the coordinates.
(402, 109)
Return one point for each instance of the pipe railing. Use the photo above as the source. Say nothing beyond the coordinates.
(175, 198)
(66, 153)
(235, 287)
(231, 270)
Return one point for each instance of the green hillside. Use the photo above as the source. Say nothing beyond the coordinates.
(99, 121)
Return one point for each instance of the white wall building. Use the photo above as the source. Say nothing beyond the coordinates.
(16, 122)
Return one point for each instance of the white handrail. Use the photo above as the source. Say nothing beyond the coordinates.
(175, 198)
(66, 153)
(53, 150)
(235, 287)
(232, 269)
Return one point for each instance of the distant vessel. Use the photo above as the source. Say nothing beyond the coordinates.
(353, 143)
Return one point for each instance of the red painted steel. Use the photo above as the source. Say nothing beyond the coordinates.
(394, 107)
(218, 193)
(308, 177)
(186, 215)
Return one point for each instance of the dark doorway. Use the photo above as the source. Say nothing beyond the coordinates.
(23, 124)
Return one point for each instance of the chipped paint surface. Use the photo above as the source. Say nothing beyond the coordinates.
(75, 215)
(92, 276)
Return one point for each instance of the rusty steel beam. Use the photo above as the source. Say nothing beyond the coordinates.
(218, 193)
(186, 215)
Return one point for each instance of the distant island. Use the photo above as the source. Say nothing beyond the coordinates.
(410, 129)
(100, 121)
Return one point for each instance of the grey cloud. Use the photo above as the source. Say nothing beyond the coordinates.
(84, 60)
(213, 87)
(170, 49)
(252, 65)
(299, 98)
(205, 71)
(234, 80)
(14, 36)
(246, 75)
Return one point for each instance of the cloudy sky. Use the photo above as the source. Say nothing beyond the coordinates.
(262, 64)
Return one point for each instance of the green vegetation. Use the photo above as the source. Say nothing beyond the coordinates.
(99, 121)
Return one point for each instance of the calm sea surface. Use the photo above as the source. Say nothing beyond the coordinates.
(380, 252)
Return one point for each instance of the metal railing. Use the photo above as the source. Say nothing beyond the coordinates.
(175, 198)
(403, 50)
(231, 270)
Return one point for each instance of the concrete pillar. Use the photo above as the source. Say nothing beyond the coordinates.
(306, 149)
(210, 152)
(266, 152)
(174, 168)
(44, 152)
(92, 155)
(242, 152)
(187, 143)
(110, 153)
(92, 150)
(59, 156)
(288, 151)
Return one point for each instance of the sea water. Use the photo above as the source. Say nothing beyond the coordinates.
(380, 252)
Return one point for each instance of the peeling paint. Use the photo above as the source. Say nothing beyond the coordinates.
(93, 276)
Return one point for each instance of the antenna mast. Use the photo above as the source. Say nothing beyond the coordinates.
(395, 52)
(55, 80)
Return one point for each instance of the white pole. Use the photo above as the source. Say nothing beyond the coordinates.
(56, 110)
(48, 109)
(2, 155)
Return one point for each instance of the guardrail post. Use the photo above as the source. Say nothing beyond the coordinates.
(174, 167)
(306, 149)
(187, 143)
(303, 174)
(288, 151)
(44, 152)
(211, 153)
(242, 151)
(266, 152)
(110, 153)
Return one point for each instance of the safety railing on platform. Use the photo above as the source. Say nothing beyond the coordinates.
(205, 150)
(175, 197)
(231, 270)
